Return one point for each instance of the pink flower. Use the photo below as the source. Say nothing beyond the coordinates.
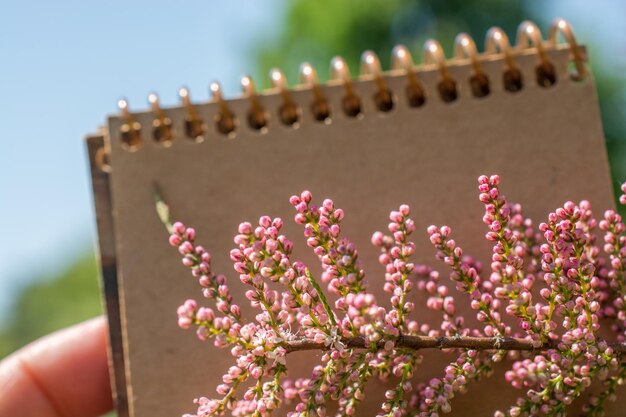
(578, 283)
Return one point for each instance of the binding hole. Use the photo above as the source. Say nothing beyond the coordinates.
(224, 119)
(131, 139)
(415, 95)
(351, 105)
(384, 100)
(130, 131)
(195, 128)
(546, 74)
(447, 90)
(162, 132)
(320, 108)
(512, 79)
(257, 120)
(289, 114)
(479, 84)
(225, 123)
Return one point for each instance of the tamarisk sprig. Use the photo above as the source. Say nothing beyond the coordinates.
(360, 339)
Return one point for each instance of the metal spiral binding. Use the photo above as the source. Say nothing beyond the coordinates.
(497, 42)
(290, 114)
(465, 47)
(401, 60)
(194, 126)
(370, 66)
(319, 106)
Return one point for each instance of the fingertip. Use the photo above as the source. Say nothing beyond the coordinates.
(63, 374)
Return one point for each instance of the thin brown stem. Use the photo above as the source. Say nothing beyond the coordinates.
(454, 342)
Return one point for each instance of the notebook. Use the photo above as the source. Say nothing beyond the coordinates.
(414, 134)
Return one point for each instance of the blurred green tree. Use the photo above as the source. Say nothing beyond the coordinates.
(51, 304)
(317, 31)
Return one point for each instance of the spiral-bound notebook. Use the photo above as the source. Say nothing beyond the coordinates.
(415, 134)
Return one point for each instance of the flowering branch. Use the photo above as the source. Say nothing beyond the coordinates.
(556, 348)
(443, 342)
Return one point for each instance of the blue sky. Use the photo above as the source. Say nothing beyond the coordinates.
(64, 65)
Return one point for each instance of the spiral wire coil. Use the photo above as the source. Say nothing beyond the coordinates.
(290, 114)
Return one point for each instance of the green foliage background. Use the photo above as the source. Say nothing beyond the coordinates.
(53, 303)
(315, 31)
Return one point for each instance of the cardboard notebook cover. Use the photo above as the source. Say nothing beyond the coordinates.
(545, 143)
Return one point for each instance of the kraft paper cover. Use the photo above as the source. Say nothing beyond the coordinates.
(545, 143)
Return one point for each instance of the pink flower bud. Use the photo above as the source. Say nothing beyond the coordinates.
(184, 322)
(328, 205)
(256, 372)
(395, 217)
(175, 240)
(265, 221)
(306, 196)
(188, 261)
(241, 267)
(185, 248)
(377, 239)
(178, 228)
(190, 234)
(277, 223)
